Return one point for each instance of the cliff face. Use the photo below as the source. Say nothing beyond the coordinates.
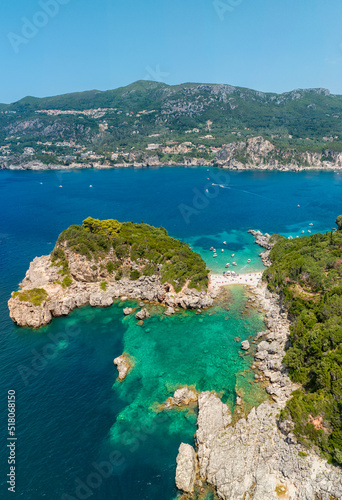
(259, 153)
(86, 289)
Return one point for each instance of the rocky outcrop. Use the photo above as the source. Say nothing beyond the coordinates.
(245, 345)
(258, 457)
(258, 153)
(264, 241)
(124, 365)
(186, 468)
(85, 289)
(182, 397)
(127, 311)
(143, 314)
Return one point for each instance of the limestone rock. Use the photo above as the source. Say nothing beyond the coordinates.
(143, 314)
(26, 314)
(169, 311)
(124, 365)
(186, 468)
(182, 397)
(127, 311)
(245, 345)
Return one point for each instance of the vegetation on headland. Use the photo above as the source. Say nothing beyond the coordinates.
(35, 296)
(307, 273)
(120, 245)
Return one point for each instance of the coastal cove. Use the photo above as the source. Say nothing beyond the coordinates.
(83, 409)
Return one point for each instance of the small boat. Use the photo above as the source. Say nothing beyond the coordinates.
(303, 232)
(228, 273)
(214, 250)
(222, 250)
(227, 265)
(290, 238)
(309, 231)
(41, 183)
(211, 249)
(310, 224)
(215, 255)
(61, 186)
(225, 243)
(90, 185)
(248, 261)
(233, 254)
(298, 206)
(234, 264)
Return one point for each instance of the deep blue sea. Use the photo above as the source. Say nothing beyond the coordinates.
(70, 410)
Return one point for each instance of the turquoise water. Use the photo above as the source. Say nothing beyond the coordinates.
(72, 414)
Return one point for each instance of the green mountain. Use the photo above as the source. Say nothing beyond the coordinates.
(208, 115)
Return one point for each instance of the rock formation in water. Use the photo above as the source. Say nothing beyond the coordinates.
(124, 365)
(186, 468)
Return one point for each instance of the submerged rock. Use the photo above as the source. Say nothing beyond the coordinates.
(186, 468)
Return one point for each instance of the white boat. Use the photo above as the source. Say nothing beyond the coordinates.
(227, 265)
(214, 250)
(309, 231)
(222, 250)
(303, 232)
(90, 185)
(61, 186)
(311, 224)
(234, 264)
(211, 249)
(298, 206)
(225, 243)
(233, 254)
(248, 261)
(215, 255)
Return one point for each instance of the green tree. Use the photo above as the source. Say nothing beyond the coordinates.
(339, 222)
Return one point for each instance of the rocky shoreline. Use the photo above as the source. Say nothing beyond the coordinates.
(254, 153)
(258, 457)
(86, 290)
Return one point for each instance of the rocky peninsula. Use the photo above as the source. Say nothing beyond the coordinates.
(86, 269)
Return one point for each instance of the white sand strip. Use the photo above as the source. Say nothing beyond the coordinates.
(218, 280)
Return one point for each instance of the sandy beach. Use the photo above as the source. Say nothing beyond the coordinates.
(218, 280)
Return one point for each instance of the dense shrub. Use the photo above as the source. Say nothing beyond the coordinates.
(147, 245)
(307, 273)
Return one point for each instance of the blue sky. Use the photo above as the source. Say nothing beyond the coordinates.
(79, 45)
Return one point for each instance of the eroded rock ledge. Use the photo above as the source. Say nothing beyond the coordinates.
(84, 290)
(258, 457)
